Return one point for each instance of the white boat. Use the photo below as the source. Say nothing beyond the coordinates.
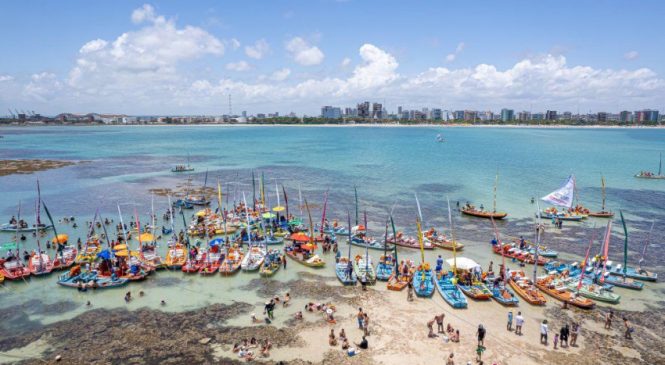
(253, 259)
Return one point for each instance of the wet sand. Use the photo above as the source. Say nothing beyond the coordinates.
(398, 332)
(11, 167)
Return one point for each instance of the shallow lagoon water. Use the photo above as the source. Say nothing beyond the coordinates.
(388, 165)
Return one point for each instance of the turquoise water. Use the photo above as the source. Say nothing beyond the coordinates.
(388, 165)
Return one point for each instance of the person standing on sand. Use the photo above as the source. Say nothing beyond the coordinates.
(439, 322)
(573, 334)
(360, 316)
(366, 324)
(509, 325)
(609, 316)
(543, 332)
(556, 340)
(409, 291)
(519, 321)
(629, 329)
(450, 360)
(481, 335)
(563, 336)
(430, 328)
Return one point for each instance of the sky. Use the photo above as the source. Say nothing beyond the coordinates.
(187, 57)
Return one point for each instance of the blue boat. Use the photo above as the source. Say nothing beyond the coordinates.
(620, 281)
(450, 292)
(384, 270)
(373, 244)
(423, 283)
(344, 271)
(183, 204)
(633, 273)
(90, 280)
(504, 296)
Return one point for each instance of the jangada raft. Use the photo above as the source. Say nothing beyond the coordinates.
(525, 288)
(410, 242)
(557, 289)
(364, 268)
(176, 256)
(231, 263)
(13, 269)
(272, 263)
(445, 284)
(514, 252)
(40, 264)
(253, 258)
(472, 211)
(423, 283)
(441, 241)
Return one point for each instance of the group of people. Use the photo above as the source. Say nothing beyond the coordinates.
(450, 334)
(561, 338)
(244, 349)
(628, 328)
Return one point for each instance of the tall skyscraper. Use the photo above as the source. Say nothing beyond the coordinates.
(330, 112)
(377, 111)
(363, 110)
(507, 115)
(550, 115)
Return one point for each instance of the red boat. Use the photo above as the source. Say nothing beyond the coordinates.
(194, 265)
(410, 242)
(13, 269)
(65, 259)
(519, 255)
(40, 264)
(211, 263)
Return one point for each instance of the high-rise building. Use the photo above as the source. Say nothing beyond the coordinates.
(458, 115)
(602, 117)
(567, 116)
(377, 111)
(507, 115)
(550, 115)
(646, 115)
(436, 114)
(363, 110)
(470, 115)
(399, 110)
(330, 112)
(524, 116)
(625, 116)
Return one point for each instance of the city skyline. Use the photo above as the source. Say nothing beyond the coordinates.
(164, 58)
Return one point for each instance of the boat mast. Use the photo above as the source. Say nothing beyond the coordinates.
(498, 242)
(452, 237)
(586, 258)
(355, 190)
(625, 244)
(602, 185)
(221, 211)
(605, 250)
(419, 219)
(535, 255)
(496, 182)
(646, 244)
(311, 224)
(323, 215)
(38, 223)
(366, 245)
(18, 225)
(348, 216)
(392, 223)
(249, 228)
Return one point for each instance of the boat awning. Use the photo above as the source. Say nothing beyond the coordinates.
(463, 263)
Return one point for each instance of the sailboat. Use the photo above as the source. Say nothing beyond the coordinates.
(603, 213)
(304, 253)
(446, 282)
(651, 175)
(384, 269)
(564, 198)
(522, 284)
(423, 284)
(500, 292)
(183, 168)
(12, 268)
(471, 210)
(602, 277)
(363, 265)
(630, 272)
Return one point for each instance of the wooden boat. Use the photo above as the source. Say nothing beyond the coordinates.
(8, 227)
(651, 175)
(364, 267)
(40, 264)
(212, 263)
(445, 285)
(525, 288)
(272, 263)
(253, 258)
(64, 259)
(371, 244)
(531, 248)
(90, 281)
(182, 168)
(633, 273)
(423, 283)
(396, 283)
(592, 291)
(523, 256)
(193, 265)
(89, 252)
(558, 290)
(410, 242)
(302, 237)
(231, 263)
(620, 281)
(266, 240)
(149, 255)
(305, 258)
(476, 290)
(472, 211)
(13, 269)
(385, 268)
(344, 271)
(2, 278)
(553, 213)
(176, 256)
(441, 241)
(333, 229)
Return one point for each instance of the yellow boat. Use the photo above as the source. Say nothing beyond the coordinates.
(89, 252)
(176, 256)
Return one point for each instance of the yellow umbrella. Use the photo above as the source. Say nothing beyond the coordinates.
(201, 213)
(60, 239)
(146, 237)
(278, 208)
(120, 247)
(123, 253)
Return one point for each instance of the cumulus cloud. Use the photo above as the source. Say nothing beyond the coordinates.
(304, 53)
(238, 66)
(258, 50)
(93, 46)
(280, 75)
(6, 78)
(235, 44)
(632, 55)
(42, 86)
(145, 13)
(345, 62)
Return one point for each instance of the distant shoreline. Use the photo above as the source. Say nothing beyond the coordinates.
(356, 125)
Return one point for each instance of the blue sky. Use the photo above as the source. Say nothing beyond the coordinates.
(174, 57)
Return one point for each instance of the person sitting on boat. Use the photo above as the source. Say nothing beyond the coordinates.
(482, 207)
(12, 221)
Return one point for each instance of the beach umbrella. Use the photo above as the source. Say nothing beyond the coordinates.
(122, 253)
(216, 242)
(201, 213)
(60, 239)
(463, 263)
(120, 247)
(268, 215)
(300, 237)
(104, 255)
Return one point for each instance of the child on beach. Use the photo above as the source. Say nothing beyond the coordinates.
(509, 326)
(556, 340)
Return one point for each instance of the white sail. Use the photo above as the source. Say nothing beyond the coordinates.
(563, 196)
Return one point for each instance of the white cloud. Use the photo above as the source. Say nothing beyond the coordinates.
(258, 50)
(145, 13)
(93, 46)
(238, 66)
(235, 44)
(303, 53)
(280, 75)
(453, 56)
(42, 87)
(346, 61)
(6, 78)
(632, 55)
